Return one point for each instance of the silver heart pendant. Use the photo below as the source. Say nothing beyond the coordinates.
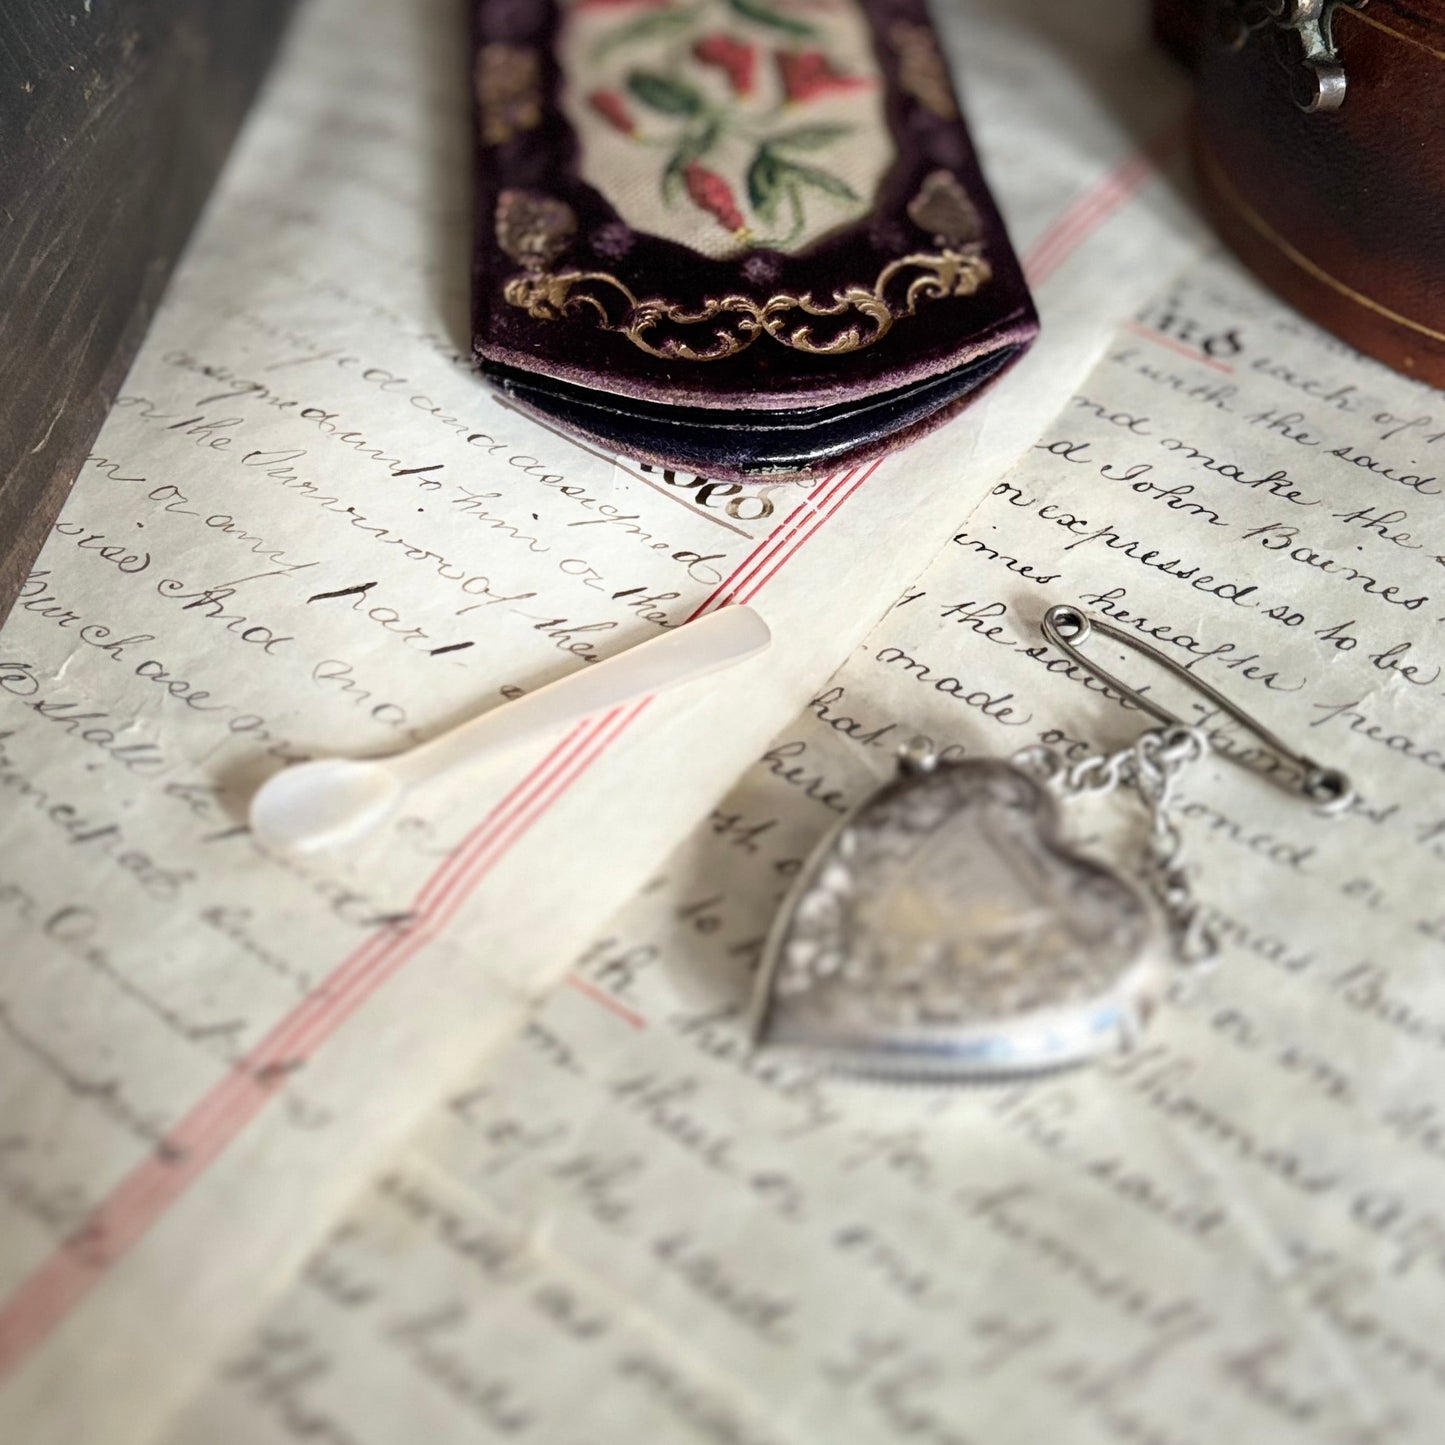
(944, 931)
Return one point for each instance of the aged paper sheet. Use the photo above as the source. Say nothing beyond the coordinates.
(625, 1225)
(308, 529)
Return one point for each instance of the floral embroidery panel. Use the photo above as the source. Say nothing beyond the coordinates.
(727, 125)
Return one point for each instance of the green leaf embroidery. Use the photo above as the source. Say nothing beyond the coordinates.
(765, 184)
(699, 143)
(659, 93)
(660, 23)
(762, 14)
(810, 137)
(795, 203)
(693, 148)
(821, 180)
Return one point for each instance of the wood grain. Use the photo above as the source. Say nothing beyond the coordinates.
(115, 116)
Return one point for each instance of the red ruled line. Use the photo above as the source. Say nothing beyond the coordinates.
(777, 544)
(758, 579)
(48, 1295)
(43, 1300)
(600, 995)
(1080, 220)
(1159, 339)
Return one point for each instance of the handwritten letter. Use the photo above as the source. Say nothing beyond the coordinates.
(308, 529)
(1232, 1232)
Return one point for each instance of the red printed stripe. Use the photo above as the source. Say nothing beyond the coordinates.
(595, 738)
(474, 862)
(234, 1100)
(600, 995)
(557, 756)
(778, 533)
(609, 728)
(776, 543)
(747, 593)
(43, 1300)
(1159, 339)
(1080, 220)
(289, 1040)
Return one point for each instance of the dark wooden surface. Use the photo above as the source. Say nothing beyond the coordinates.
(115, 116)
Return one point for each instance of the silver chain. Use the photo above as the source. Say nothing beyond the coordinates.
(1149, 767)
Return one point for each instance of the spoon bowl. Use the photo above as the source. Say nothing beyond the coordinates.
(324, 803)
(331, 801)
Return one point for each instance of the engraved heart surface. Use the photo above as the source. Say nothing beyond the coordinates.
(944, 930)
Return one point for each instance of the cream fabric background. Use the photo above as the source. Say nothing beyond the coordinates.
(629, 168)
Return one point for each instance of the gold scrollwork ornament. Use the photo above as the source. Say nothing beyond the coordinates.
(534, 229)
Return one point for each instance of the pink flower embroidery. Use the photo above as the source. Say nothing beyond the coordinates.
(712, 194)
(613, 109)
(735, 57)
(806, 73)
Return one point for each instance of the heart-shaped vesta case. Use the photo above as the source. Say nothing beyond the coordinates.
(945, 930)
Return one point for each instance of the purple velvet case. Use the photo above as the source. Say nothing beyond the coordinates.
(741, 237)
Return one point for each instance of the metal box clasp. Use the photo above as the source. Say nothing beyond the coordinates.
(1317, 81)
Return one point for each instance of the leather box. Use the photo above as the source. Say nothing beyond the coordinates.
(1320, 148)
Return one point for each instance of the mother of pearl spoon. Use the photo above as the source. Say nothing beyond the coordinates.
(331, 801)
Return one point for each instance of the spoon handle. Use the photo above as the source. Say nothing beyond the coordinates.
(679, 655)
